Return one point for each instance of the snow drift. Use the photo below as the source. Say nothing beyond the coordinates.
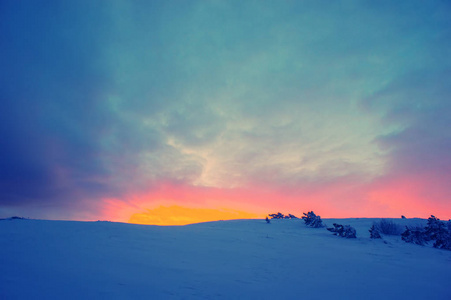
(241, 259)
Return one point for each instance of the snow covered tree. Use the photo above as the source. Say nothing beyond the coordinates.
(434, 228)
(437, 231)
(343, 230)
(414, 235)
(267, 220)
(374, 233)
(312, 220)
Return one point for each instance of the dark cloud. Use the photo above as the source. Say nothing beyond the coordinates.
(419, 104)
(78, 86)
(51, 96)
(418, 153)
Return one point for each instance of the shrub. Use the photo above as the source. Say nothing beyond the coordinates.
(312, 220)
(436, 230)
(267, 220)
(414, 235)
(374, 233)
(439, 232)
(343, 231)
(280, 215)
(388, 227)
(444, 243)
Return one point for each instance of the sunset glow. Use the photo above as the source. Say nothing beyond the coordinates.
(178, 215)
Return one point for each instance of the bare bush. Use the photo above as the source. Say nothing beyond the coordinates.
(388, 227)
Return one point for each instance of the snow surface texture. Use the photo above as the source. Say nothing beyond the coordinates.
(241, 259)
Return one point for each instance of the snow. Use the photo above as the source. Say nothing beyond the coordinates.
(240, 259)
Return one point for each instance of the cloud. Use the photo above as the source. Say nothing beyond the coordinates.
(419, 151)
(50, 102)
(112, 101)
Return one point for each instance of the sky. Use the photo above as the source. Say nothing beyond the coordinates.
(174, 112)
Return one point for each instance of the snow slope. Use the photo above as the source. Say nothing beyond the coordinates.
(241, 259)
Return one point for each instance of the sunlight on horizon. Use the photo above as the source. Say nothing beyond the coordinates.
(180, 215)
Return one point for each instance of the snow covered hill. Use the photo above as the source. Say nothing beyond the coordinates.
(241, 259)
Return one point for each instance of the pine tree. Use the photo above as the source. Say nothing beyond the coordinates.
(437, 231)
(343, 230)
(414, 235)
(312, 220)
(374, 233)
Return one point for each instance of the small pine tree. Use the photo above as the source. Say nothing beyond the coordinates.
(374, 233)
(414, 235)
(312, 220)
(437, 231)
(279, 215)
(267, 220)
(343, 230)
